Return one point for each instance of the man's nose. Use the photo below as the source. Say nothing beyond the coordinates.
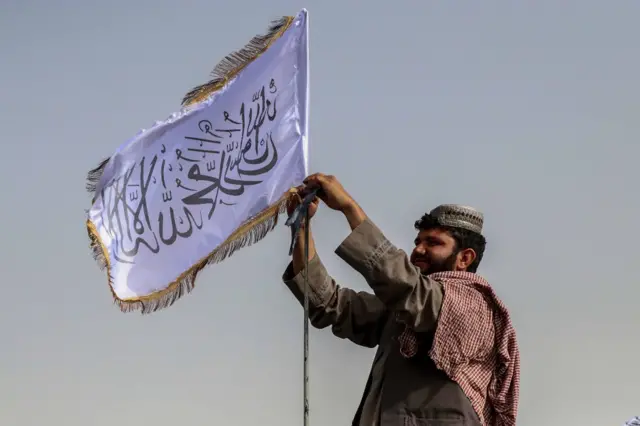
(420, 249)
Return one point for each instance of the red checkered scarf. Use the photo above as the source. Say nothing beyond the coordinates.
(475, 345)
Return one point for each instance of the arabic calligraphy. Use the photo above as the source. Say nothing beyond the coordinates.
(170, 195)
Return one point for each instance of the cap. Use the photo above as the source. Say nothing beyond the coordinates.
(458, 216)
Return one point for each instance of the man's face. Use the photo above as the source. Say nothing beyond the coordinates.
(434, 251)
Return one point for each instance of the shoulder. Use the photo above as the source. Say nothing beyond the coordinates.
(468, 311)
(467, 288)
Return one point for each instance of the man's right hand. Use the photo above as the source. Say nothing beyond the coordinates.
(294, 201)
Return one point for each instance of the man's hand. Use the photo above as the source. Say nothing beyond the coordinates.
(299, 249)
(331, 191)
(333, 194)
(296, 199)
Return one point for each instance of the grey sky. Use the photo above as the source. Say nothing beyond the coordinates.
(525, 111)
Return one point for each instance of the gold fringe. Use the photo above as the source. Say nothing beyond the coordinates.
(250, 232)
(94, 176)
(232, 64)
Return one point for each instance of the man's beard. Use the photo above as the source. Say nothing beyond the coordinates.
(439, 265)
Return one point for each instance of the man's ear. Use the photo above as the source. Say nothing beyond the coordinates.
(465, 258)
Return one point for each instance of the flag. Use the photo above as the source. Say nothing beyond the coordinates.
(210, 179)
(633, 422)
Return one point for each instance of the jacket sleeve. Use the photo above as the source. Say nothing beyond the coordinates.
(397, 283)
(357, 316)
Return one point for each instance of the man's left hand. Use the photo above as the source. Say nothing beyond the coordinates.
(335, 197)
(332, 193)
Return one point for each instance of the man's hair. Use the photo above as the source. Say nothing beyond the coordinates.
(463, 237)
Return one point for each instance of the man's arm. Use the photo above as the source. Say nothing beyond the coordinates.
(395, 281)
(357, 316)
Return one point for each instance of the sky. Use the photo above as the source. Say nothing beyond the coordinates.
(524, 110)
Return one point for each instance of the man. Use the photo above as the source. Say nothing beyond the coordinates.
(447, 352)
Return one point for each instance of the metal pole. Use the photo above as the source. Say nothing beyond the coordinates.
(306, 321)
(295, 222)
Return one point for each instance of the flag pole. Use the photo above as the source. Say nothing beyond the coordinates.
(306, 321)
(295, 221)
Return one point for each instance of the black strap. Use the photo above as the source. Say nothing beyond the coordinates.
(295, 220)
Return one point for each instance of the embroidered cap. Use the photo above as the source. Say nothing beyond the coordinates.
(458, 216)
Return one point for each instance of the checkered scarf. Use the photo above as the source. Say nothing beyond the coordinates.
(475, 345)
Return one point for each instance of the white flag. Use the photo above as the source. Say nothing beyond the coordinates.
(208, 180)
(633, 422)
